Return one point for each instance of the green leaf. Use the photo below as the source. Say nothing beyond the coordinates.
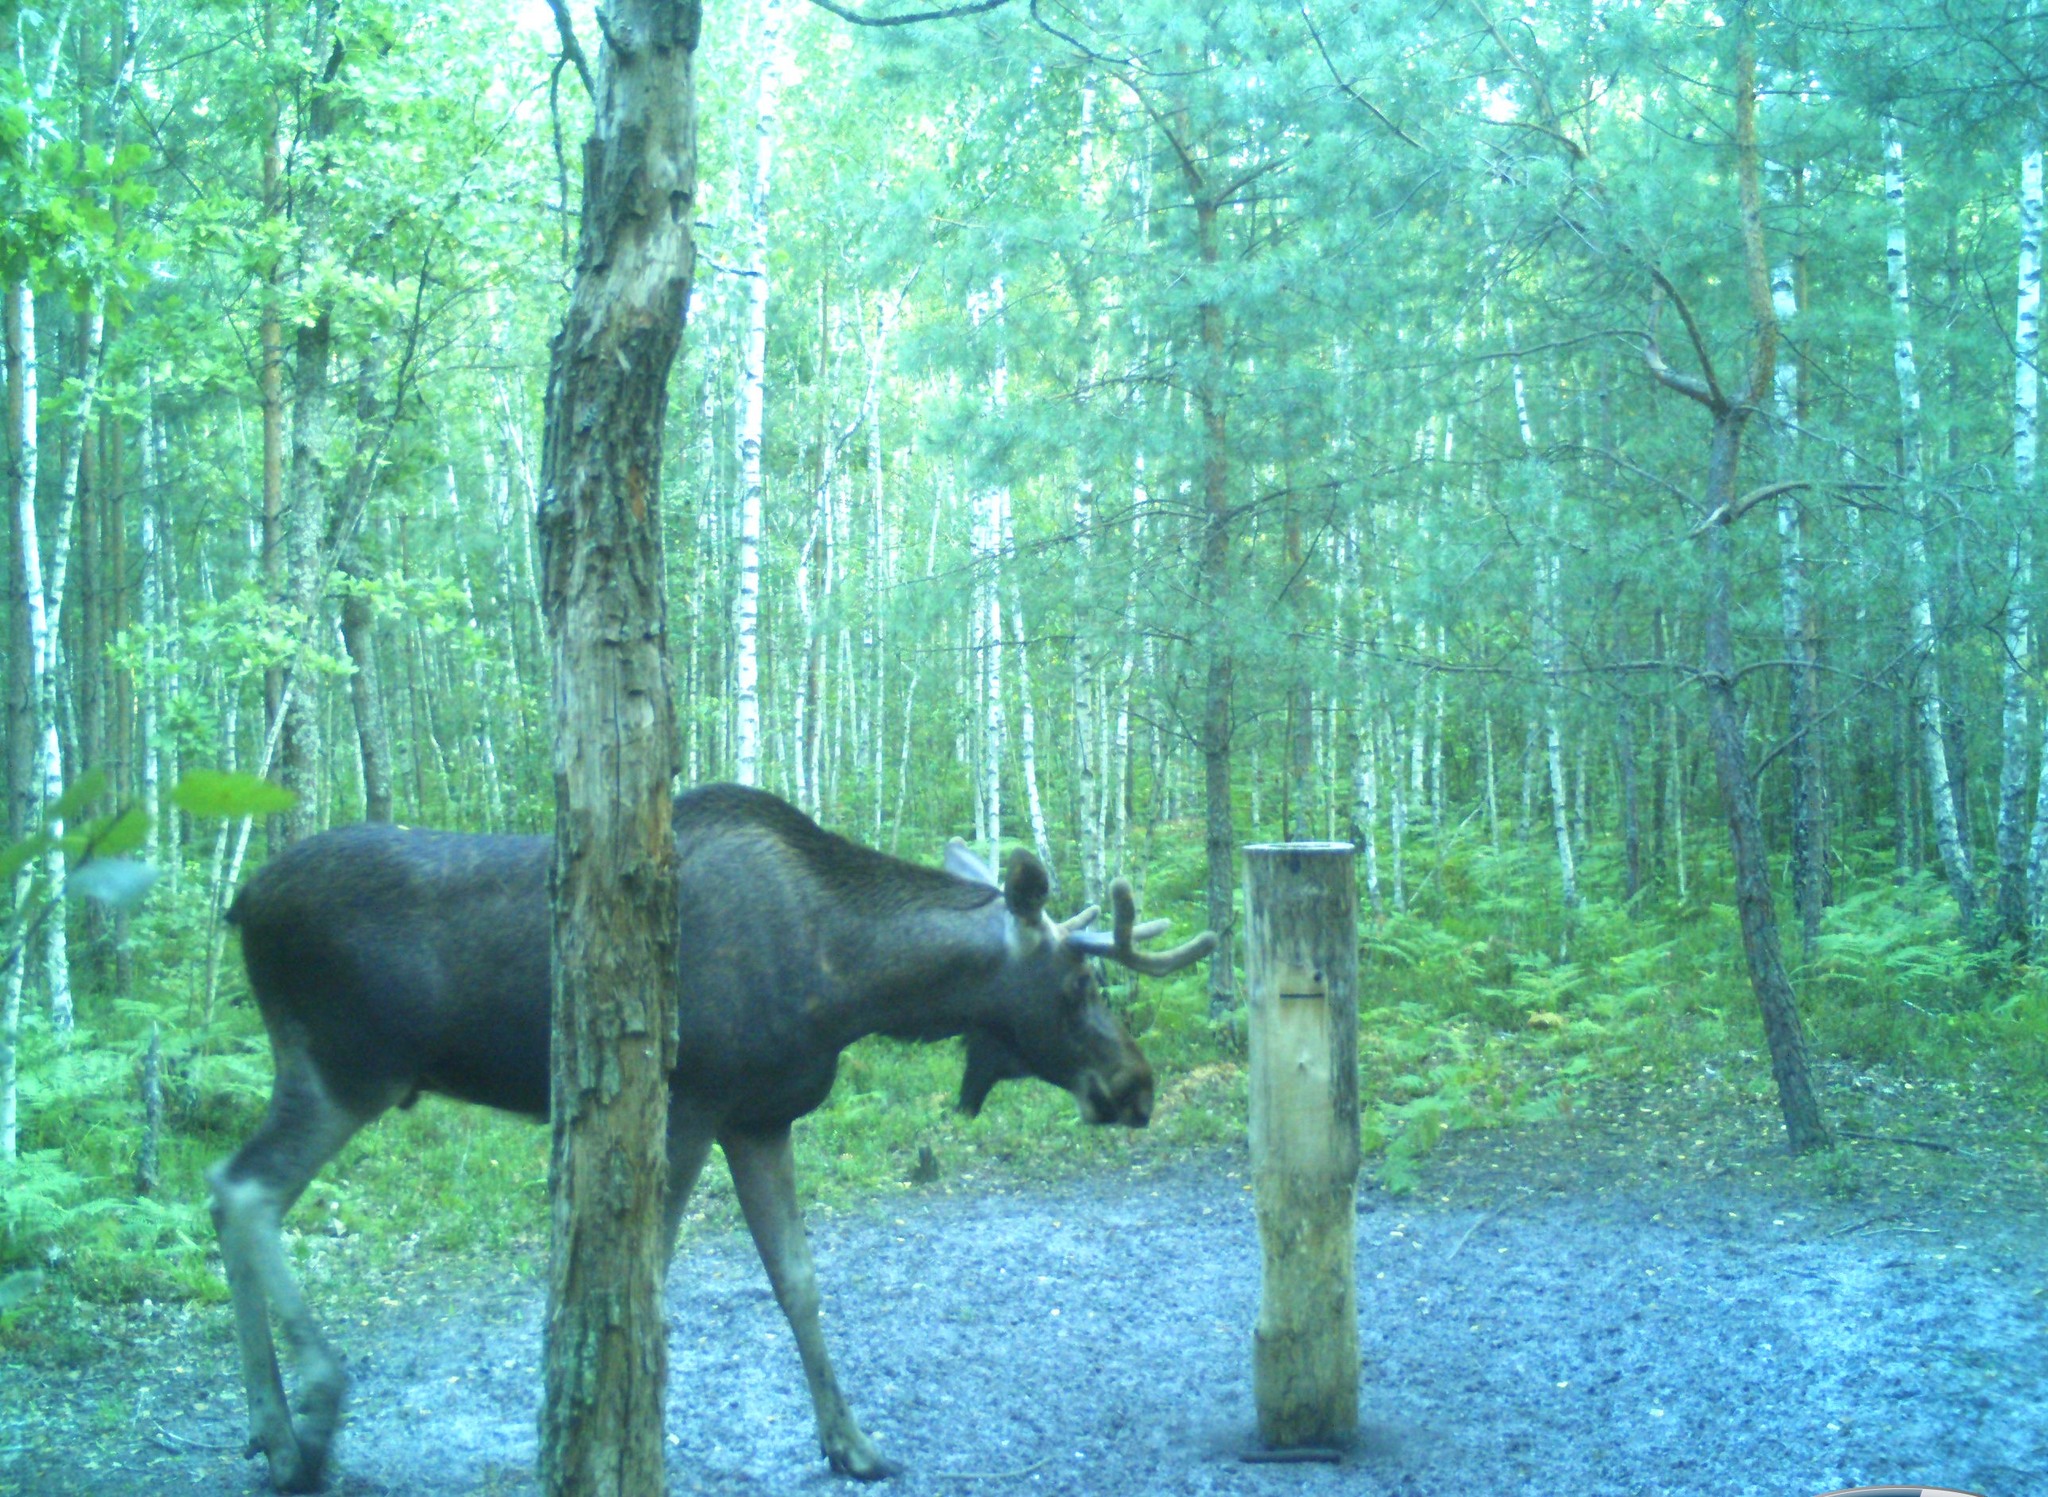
(227, 792)
(112, 881)
(16, 856)
(83, 791)
(124, 833)
(17, 1288)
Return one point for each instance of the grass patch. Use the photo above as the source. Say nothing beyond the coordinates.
(1485, 1005)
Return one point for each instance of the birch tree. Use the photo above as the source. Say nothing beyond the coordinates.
(2019, 856)
(753, 391)
(1926, 672)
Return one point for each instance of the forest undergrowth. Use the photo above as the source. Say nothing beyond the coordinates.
(1483, 1005)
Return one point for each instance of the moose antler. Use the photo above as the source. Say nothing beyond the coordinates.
(1120, 944)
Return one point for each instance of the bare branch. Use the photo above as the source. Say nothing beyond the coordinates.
(1552, 126)
(1728, 514)
(1706, 389)
(1350, 92)
(978, 7)
(572, 50)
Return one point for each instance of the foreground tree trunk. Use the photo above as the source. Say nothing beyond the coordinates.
(615, 937)
(1804, 1127)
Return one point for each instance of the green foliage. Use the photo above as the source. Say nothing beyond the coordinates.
(219, 792)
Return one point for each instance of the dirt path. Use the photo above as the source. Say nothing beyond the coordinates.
(1531, 1323)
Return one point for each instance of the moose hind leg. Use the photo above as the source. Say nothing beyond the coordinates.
(764, 1179)
(688, 1143)
(251, 1193)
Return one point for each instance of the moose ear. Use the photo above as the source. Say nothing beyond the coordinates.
(1026, 887)
(963, 862)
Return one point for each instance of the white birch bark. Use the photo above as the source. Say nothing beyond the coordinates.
(1525, 824)
(881, 563)
(931, 561)
(1674, 797)
(1548, 658)
(67, 498)
(149, 689)
(1436, 749)
(1418, 722)
(747, 619)
(1118, 777)
(799, 679)
(1089, 788)
(484, 701)
(1365, 798)
(1492, 794)
(46, 780)
(990, 506)
(1397, 819)
(1955, 853)
(2026, 431)
(1795, 629)
(1027, 725)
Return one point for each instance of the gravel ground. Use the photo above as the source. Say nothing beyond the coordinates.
(1523, 1331)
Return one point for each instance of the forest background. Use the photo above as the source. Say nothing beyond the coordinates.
(1584, 454)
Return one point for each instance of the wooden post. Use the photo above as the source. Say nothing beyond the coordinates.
(1301, 972)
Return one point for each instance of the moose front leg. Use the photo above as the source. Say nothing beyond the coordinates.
(764, 1179)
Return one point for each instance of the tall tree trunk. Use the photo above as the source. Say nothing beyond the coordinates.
(1365, 796)
(1795, 604)
(1544, 624)
(305, 519)
(1220, 832)
(615, 937)
(36, 714)
(373, 738)
(991, 505)
(149, 701)
(753, 385)
(1948, 834)
(270, 387)
(1755, 909)
(2018, 883)
(1299, 800)
(1027, 715)
(20, 709)
(1492, 791)
(1631, 819)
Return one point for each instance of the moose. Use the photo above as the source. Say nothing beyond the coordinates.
(389, 962)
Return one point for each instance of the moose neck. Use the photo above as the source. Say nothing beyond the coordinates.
(918, 972)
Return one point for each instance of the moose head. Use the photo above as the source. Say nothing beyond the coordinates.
(1047, 1016)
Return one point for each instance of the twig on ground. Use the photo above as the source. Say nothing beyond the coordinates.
(177, 1441)
(993, 1475)
(1900, 1138)
(1477, 1222)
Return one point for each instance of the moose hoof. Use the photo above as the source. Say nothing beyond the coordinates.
(860, 1460)
(290, 1469)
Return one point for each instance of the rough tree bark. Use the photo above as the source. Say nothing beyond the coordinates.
(305, 518)
(614, 938)
(1804, 1126)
